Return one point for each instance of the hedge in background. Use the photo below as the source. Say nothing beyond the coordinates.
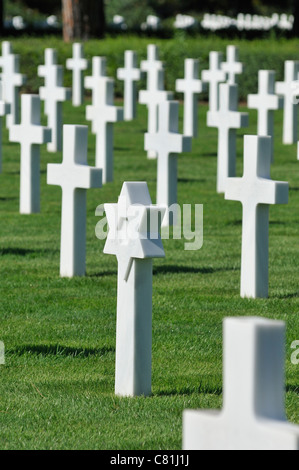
(256, 55)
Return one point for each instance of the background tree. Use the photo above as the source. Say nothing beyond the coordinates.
(83, 19)
(1, 17)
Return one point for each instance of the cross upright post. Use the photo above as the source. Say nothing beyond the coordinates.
(77, 64)
(99, 70)
(266, 102)
(12, 81)
(286, 90)
(54, 94)
(227, 119)
(45, 71)
(253, 415)
(213, 77)
(103, 114)
(30, 135)
(74, 176)
(167, 143)
(232, 67)
(256, 191)
(191, 86)
(155, 92)
(130, 74)
(4, 110)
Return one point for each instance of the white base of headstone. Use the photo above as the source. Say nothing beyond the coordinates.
(73, 234)
(134, 330)
(167, 187)
(104, 152)
(30, 182)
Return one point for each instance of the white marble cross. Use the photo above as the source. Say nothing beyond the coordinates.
(54, 94)
(286, 90)
(75, 177)
(77, 64)
(227, 119)
(155, 92)
(191, 86)
(12, 80)
(6, 50)
(266, 102)
(256, 191)
(253, 415)
(30, 134)
(135, 239)
(99, 70)
(4, 110)
(130, 74)
(213, 77)
(167, 143)
(103, 114)
(45, 71)
(151, 65)
(232, 66)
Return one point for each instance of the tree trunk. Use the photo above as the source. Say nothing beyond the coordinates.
(83, 19)
(1, 18)
(296, 15)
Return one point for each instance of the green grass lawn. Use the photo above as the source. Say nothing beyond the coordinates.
(57, 386)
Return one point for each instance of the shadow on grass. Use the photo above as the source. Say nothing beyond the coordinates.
(293, 388)
(191, 180)
(58, 350)
(189, 269)
(104, 274)
(239, 222)
(210, 154)
(290, 295)
(5, 199)
(205, 389)
(24, 252)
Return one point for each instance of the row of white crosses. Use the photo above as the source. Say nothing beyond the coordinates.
(133, 351)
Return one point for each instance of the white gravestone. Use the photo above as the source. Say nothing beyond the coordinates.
(6, 50)
(191, 86)
(99, 70)
(155, 92)
(30, 134)
(167, 143)
(232, 67)
(286, 90)
(77, 64)
(12, 80)
(256, 191)
(253, 415)
(54, 94)
(75, 177)
(45, 71)
(103, 114)
(266, 102)
(130, 74)
(4, 110)
(227, 119)
(135, 244)
(214, 76)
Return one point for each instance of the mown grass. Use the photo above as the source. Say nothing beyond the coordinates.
(57, 386)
